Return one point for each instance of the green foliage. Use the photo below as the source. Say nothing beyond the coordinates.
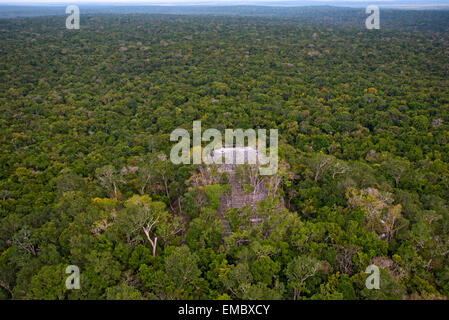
(181, 266)
(123, 292)
(48, 283)
(213, 193)
(86, 180)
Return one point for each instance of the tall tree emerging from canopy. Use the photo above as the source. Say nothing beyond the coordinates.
(298, 271)
(109, 179)
(141, 214)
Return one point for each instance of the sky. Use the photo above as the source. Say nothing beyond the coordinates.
(215, 2)
(208, 1)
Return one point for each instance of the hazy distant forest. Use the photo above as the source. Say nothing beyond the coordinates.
(363, 120)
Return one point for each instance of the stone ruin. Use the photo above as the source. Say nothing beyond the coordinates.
(239, 175)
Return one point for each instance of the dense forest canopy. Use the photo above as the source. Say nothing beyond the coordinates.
(363, 120)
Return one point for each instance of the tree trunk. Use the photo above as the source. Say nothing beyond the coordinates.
(153, 242)
(115, 190)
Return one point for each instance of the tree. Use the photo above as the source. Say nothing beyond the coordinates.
(181, 266)
(320, 164)
(109, 178)
(381, 215)
(238, 280)
(123, 291)
(396, 168)
(102, 272)
(298, 271)
(141, 214)
(264, 270)
(24, 240)
(7, 270)
(49, 283)
(206, 231)
(144, 175)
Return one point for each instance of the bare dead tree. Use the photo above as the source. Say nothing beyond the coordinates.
(344, 258)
